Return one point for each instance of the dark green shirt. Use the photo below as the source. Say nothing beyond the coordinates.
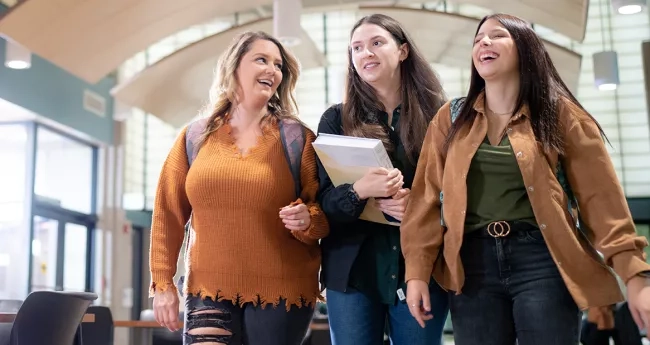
(379, 269)
(495, 187)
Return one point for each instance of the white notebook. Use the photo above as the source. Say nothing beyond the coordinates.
(346, 159)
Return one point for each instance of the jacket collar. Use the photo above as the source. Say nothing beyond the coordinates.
(479, 106)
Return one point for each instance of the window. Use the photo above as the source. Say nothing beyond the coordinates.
(15, 215)
(64, 172)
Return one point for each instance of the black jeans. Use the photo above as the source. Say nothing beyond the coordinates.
(625, 331)
(247, 325)
(513, 292)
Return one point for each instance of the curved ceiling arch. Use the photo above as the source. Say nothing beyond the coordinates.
(175, 88)
(446, 38)
(91, 38)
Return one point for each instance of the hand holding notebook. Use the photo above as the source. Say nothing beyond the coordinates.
(361, 160)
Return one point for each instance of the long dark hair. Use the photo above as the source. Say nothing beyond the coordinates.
(540, 86)
(422, 94)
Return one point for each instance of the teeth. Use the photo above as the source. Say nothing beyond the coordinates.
(266, 82)
(486, 56)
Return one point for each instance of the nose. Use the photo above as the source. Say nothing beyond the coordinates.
(367, 52)
(270, 68)
(485, 41)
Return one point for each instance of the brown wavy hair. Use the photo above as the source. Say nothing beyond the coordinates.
(223, 93)
(421, 90)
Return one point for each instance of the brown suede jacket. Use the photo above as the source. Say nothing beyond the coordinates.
(429, 248)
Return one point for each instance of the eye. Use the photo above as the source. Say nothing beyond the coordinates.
(278, 66)
(356, 49)
(376, 43)
(261, 59)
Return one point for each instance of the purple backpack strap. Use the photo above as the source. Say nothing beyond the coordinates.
(192, 135)
(292, 134)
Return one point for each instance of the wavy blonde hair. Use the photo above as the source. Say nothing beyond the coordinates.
(223, 93)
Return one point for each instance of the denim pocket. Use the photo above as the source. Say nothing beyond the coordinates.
(531, 236)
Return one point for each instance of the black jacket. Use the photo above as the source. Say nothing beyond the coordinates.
(347, 231)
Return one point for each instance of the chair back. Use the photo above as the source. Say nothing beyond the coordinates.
(100, 332)
(50, 317)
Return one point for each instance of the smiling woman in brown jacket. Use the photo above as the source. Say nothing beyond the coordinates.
(507, 245)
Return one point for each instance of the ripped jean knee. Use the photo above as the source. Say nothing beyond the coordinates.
(208, 321)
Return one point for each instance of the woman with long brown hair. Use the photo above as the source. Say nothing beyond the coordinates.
(253, 256)
(530, 197)
(392, 93)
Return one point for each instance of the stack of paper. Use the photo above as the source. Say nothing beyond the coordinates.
(346, 159)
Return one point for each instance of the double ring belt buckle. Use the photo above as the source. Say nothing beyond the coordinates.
(498, 229)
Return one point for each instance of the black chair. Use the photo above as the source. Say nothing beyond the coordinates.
(100, 332)
(160, 335)
(49, 317)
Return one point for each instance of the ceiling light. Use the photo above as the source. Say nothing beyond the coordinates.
(17, 56)
(628, 6)
(606, 70)
(286, 21)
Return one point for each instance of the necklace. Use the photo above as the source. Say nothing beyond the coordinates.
(495, 113)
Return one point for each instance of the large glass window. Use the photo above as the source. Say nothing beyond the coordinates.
(64, 172)
(74, 257)
(15, 215)
(45, 254)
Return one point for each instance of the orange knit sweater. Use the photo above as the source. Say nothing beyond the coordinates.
(239, 249)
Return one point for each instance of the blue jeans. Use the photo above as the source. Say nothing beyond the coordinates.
(248, 324)
(513, 292)
(357, 320)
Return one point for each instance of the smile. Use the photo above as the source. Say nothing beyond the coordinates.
(370, 65)
(488, 56)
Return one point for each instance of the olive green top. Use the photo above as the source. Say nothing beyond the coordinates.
(495, 187)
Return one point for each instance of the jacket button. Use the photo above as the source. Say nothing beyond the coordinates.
(394, 276)
(394, 247)
(463, 212)
(519, 154)
(542, 226)
(530, 188)
(509, 129)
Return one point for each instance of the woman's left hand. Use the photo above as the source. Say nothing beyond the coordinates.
(296, 217)
(395, 206)
(638, 296)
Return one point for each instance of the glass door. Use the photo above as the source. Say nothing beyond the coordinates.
(60, 253)
(45, 254)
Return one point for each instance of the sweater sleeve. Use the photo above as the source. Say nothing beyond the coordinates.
(319, 227)
(171, 211)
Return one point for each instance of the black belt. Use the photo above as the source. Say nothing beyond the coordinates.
(502, 228)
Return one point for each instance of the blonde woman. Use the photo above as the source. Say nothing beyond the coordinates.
(253, 256)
